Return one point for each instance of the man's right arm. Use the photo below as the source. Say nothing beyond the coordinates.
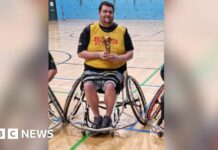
(92, 55)
(84, 40)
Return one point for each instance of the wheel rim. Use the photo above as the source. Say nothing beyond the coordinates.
(136, 99)
(154, 107)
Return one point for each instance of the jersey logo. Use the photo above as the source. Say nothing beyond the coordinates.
(99, 41)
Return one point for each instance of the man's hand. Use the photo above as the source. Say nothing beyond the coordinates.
(122, 58)
(113, 57)
(104, 55)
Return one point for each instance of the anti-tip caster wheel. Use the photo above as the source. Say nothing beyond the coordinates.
(112, 134)
(160, 134)
(83, 133)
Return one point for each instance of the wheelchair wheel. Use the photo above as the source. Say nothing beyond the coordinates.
(72, 103)
(155, 107)
(136, 99)
(55, 112)
(160, 134)
(54, 119)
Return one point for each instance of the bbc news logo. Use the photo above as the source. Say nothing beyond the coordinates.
(14, 133)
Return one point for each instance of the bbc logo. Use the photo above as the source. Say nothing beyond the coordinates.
(12, 133)
(2, 133)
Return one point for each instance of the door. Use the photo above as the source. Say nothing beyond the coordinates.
(52, 10)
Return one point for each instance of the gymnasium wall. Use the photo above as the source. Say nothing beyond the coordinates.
(124, 9)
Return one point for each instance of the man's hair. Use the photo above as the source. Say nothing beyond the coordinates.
(106, 3)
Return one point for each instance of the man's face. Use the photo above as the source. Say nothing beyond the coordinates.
(106, 14)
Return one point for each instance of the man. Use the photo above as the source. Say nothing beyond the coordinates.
(52, 70)
(104, 70)
(162, 72)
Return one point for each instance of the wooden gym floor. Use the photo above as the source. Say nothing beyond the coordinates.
(148, 41)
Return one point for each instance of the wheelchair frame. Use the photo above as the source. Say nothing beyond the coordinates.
(138, 106)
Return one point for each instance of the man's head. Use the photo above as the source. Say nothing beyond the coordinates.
(106, 13)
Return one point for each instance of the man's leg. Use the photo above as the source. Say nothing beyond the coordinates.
(109, 98)
(93, 101)
(92, 97)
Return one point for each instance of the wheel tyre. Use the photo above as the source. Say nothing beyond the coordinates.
(154, 102)
(142, 119)
(69, 99)
(112, 134)
(160, 133)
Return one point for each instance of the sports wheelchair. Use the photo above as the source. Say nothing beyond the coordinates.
(78, 111)
(155, 112)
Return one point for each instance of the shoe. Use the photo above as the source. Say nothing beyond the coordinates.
(97, 122)
(106, 122)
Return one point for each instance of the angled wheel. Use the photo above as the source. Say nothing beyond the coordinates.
(83, 133)
(72, 103)
(136, 99)
(160, 134)
(55, 112)
(54, 119)
(155, 106)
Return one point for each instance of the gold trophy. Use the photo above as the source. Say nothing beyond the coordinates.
(107, 43)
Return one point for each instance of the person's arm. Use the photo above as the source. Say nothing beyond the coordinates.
(52, 69)
(124, 58)
(51, 74)
(162, 72)
(92, 55)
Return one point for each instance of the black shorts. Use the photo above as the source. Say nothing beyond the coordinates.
(100, 79)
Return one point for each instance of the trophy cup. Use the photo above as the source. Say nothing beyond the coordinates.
(107, 43)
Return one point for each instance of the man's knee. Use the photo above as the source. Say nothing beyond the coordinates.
(89, 85)
(109, 86)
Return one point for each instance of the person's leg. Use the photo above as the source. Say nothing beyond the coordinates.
(92, 97)
(93, 102)
(109, 97)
